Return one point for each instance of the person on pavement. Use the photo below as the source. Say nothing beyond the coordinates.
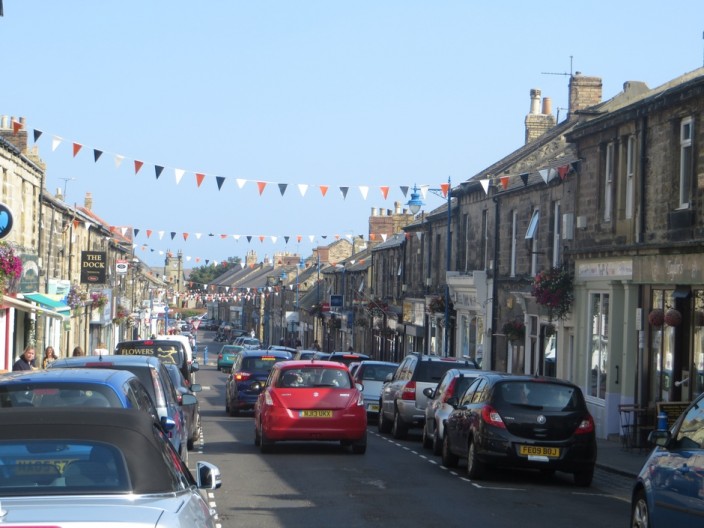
(26, 360)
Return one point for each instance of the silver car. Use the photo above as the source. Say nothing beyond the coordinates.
(452, 385)
(371, 374)
(98, 467)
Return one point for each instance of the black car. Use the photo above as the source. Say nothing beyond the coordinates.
(521, 422)
(190, 407)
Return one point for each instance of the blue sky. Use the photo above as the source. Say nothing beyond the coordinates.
(317, 93)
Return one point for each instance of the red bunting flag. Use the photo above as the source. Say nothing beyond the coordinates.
(16, 127)
(445, 188)
(76, 148)
(199, 178)
(562, 171)
(185, 236)
(298, 238)
(149, 233)
(262, 186)
(261, 238)
(504, 182)
(137, 165)
(385, 192)
(223, 236)
(323, 189)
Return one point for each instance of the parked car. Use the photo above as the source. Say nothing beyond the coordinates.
(99, 467)
(75, 388)
(452, 384)
(305, 354)
(345, 357)
(521, 421)
(669, 490)
(153, 375)
(372, 374)
(226, 357)
(402, 402)
(251, 367)
(186, 397)
(168, 350)
(310, 400)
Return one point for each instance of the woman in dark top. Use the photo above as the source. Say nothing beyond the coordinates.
(26, 360)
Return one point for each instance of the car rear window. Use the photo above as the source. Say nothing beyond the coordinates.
(540, 395)
(260, 364)
(432, 371)
(167, 351)
(58, 395)
(377, 372)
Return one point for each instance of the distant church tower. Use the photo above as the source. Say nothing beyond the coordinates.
(173, 271)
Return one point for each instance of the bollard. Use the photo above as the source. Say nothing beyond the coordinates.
(662, 421)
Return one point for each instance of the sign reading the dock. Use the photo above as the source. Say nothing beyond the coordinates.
(93, 268)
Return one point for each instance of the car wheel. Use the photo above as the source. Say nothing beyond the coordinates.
(265, 445)
(190, 444)
(257, 438)
(449, 459)
(640, 516)
(398, 429)
(584, 478)
(475, 468)
(427, 439)
(383, 424)
(359, 447)
(437, 442)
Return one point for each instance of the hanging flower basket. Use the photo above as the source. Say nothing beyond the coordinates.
(98, 300)
(550, 330)
(377, 307)
(673, 317)
(656, 317)
(437, 304)
(10, 268)
(514, 330)
(554, 289)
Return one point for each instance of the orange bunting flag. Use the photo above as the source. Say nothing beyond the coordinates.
(76, 148)
(299, 238)
(223, 236)
(199, 178)
(504, 182)
(16, 127)
(324, 189)
(261, 186)
(372, 236)
(76, 223)
(185, 236)
(137, 165)
(445, 188)
(385, 192)
(562, 171)
(149, 233)
(261, 238)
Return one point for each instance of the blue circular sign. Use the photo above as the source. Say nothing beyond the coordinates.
(6, 220)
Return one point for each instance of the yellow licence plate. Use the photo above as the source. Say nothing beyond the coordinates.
(315, 414)
(550, 452)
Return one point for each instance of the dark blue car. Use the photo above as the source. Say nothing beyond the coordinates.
(250, 367)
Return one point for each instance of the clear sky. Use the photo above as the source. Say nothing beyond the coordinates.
(337, 93)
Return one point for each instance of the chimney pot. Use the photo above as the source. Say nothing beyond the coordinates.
(88, 202)
(534, 101)
(547, 106)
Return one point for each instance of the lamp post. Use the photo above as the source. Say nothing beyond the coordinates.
(282, 278)
(414, 205)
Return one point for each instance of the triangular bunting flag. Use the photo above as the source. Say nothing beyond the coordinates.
(219, 180)
(404, 190)
(37, 134)
(16, 127)
(344, 191)
(223, 237)
(158, 169)
(149, 233)
(282, 188)
(161, 234)
(485, 185)
(240, 182)
(274, 239)
(385, 192)
(384, 236)
(199, 178)
(76, 149)
(118, 160)
(137, 166)
(261, 185)
(323, 189)
(504, 182)
(261, 238)
(544, 174)
(249, 238)
(135, 232)
(524, 178)
(173, 234)
(185, 236)
(55, 142)
(302, 188)
(364, 190)
(178, 174)
(445, 187)
(286, 239)
(562, 171)
(96, 154)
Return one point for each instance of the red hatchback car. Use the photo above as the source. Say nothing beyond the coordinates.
(310, 400)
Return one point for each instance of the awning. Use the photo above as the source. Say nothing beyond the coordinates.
(53, 302)
(24, 306)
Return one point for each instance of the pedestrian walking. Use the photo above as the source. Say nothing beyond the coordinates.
(26, 360)
(49, 357)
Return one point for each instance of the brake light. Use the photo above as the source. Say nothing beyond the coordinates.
(360, 399)
(267, 399)
(585, 426)
(93, 364)
(492, 417)
(243, 376)
(450, 390)
(409, 391)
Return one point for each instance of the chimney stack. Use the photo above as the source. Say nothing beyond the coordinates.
(584, 92)
(538, 123)
(88, 202)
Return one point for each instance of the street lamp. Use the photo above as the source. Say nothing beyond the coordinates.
(282, 278)
(415, 204)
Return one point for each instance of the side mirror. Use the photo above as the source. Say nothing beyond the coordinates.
(659, 437)
(454, 401)
(359, 386)
(389, 376)
(257, 386)
(195, 367)
(196, 387)
(429, 392)
(167, 424)
(188, 399)
(208, 476)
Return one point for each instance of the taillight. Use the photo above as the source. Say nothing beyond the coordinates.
(267, 399)
(585, 426)
(409, 391)
(492, 417)
(243, 376)
(450, 390)
(360, 399)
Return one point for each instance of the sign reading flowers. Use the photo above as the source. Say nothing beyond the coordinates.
(554, 289)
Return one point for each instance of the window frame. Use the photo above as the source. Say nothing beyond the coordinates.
(686, 144)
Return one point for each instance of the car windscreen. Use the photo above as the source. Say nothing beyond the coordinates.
(540, 395)
(61, 467)
(377, 372)
(260, 363)
(58, 395)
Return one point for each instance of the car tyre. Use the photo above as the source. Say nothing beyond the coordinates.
(383, 424)
(584, 477)
(449, 459)
(427, 439)
(399, 429)
(475, 468)
(437, 442)
(257, 438)
(265, 445)
(359, 447)
(640, 516)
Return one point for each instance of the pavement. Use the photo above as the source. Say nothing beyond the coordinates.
(613, 456)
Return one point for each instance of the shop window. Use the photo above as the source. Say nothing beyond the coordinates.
(599, 344)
